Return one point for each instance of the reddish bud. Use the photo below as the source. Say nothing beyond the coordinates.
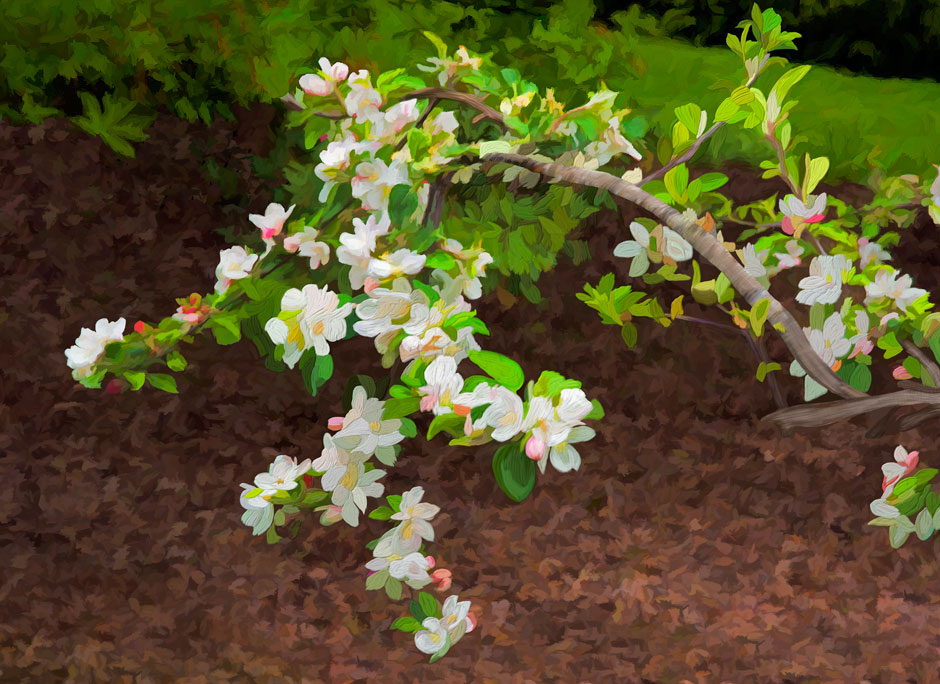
(308, 481)
(430, 560)
(114, 387)
(140, 327)
(335, 423)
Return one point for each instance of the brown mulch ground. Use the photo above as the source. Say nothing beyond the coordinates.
(695, 544)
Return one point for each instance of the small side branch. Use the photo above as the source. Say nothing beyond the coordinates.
(465, 98)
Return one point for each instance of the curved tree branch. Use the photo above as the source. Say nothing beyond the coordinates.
(709, 247)
(457, 96)
(814, 415)
(926, 362)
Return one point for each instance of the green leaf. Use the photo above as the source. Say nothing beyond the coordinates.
(393, 588)
(889, 343)
(226, 328)
(501, 368)
(407, 624)
(448, 422)
(861, 378)
(690, 116)
(399, 408)
(135, 378)
(551, 383)
(759, 315)
(923, 525)
(381, 513)
(399, 391)
(723, 289)
(764, 368)
(408, 428)
(377, 580)
(162, 381)
(816, 170)
(315, 370)
(629, 334)
(402, 202)
(514, 471)
(726, 110)
(788, 80)
(677, 181)
(596, 412)
(175, 361)
(429, 605)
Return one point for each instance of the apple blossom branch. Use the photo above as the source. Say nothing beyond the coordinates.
(709, 247)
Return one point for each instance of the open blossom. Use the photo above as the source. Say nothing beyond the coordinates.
(432, 638)
(305, 244)
(454, 613)
(563, 456)
(374, 434)
(282, 474)
(259, 511)
(665, 244)
(869, 252)
(351, 484)
(611, 144)
(234, 263)
(824, 283)
(505, 413)
(887, 284)
(319, 320)
(443, 385)
(396, 118)
(337, 158)
(413, 568)
(792, 256)
(363, 101)
(272, 221)
(415, 515)
(753, 261)
(323, 85)
(374, 181)
(398, 263)
(90, 345)
(861, 343)
(893, 473)
(829, 343)
(795, 213)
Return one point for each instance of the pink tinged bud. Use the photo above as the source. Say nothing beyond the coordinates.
(535, 448)
(815, 218)
(468, 426)
(901, 373)
(442, 578)
(430, 560)
(427, 403)
(471, 622)
(862, 347)
(911, 461)
(787, 225)
(140, 327)
(335, 423)
(292, 243)
(370, 284)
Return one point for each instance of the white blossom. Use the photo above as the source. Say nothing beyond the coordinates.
(90, 345)
(824, 283)
(830, 342)
(282, 474)
(887, 284)
(234, 263)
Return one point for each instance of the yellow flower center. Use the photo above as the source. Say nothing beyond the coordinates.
(318, 328)
(434, 637)
(375, 426)
(508, 419)
(406, 530)
(350, 478)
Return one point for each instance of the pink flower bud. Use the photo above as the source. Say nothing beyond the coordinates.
(535, 448)
(471, 622)
(370, 284)
(442, 578)
(335, 423)
(430, 559)
(901, 373)
(140, 327)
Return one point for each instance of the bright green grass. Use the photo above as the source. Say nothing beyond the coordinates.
(842, 116)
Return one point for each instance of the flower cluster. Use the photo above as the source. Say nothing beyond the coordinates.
(282, 476)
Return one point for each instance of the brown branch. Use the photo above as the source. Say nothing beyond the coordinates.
(926, 362)
(814, 415)
(709, 247)
(457, 96)
(292, 102)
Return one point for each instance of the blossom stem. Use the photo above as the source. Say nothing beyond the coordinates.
(457, 96)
